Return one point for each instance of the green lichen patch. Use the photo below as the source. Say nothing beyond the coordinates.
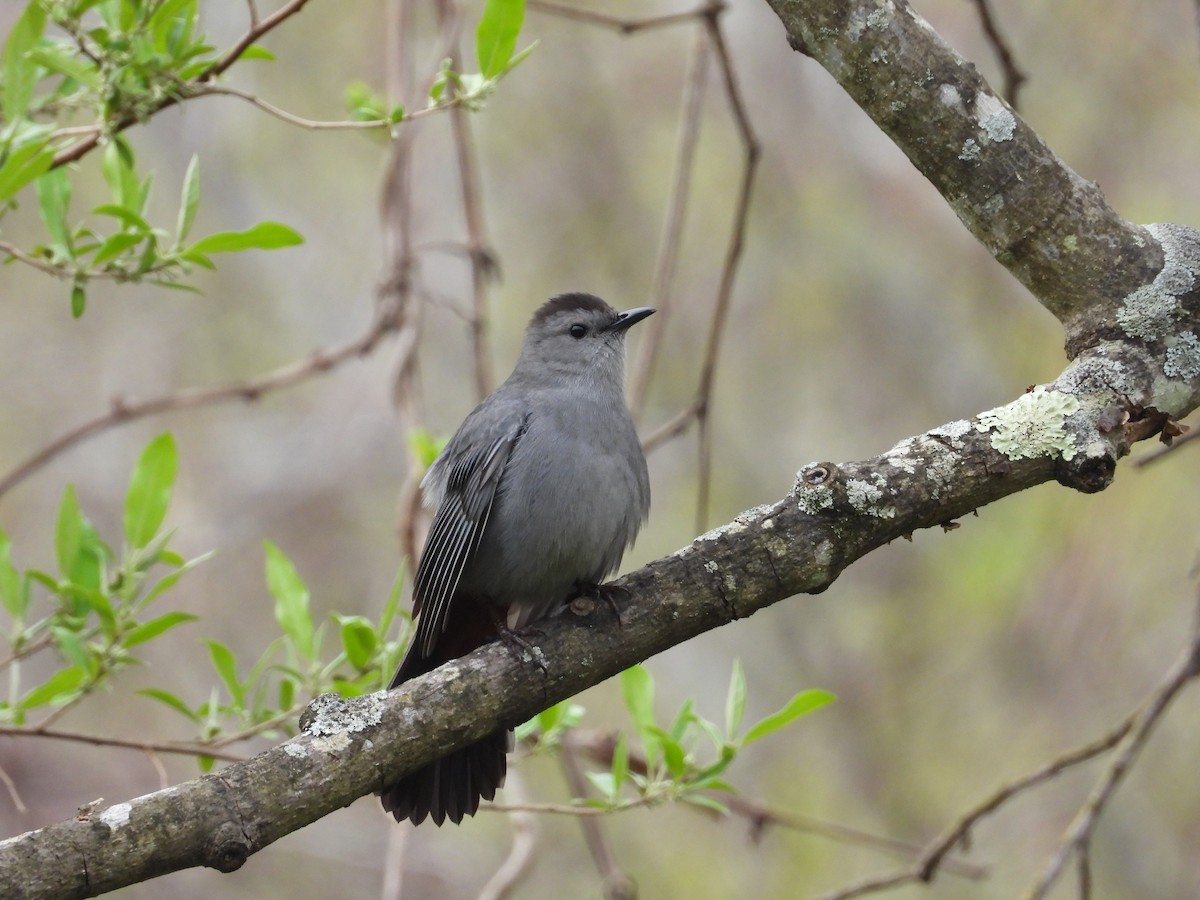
(1032, 425)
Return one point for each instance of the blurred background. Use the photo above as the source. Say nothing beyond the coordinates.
(863, 313)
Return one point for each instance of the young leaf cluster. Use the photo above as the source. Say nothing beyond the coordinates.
(109, 64)
(95, 610)
(683, 760)
(295, 667)
(495, 43)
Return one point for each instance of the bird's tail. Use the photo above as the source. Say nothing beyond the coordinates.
(450, 787)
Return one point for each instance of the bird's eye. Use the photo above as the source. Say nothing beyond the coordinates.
(578, 331)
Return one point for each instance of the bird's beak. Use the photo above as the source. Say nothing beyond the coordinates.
(631, 317)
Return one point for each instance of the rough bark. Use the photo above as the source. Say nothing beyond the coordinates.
(1126, 296)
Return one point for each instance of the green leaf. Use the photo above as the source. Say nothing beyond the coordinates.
(226, 668)
(78, 299)
(291, 600)
(620, 763)
(496, 35)
(117, 168)
(115, 246)
(60, 59)
(263, 236)
(150, 491)
(674, 756)
(735, 700)
(706, 803)
(71, 647)
(168, 581)
(154, 627)
(637, 687)
(257, 51)
(424, 447)
(603, 782)
(800, 705)
(20, 74)
(68, 533)
(59, 687)
(54, 199)
(287, 693)
(23, 165)
(128, 217)
(391, 606)
(358, 640)
(12, 591)
(171, 700)
(189, 200)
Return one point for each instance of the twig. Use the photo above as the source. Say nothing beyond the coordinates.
(520, 858)
(871, 886)
(1079, 832)
(616, 883)
(1013, 76)
(760, 816)
(1163, 449)
(224, 90)
(123, 411)
(101, 741)
(21, 256)
(13, 793)
(672, 233)
(625, 26)
(483, 264)
(163, 780)
(733, 255)
(670, 429)
(28, 650)
(932, 860)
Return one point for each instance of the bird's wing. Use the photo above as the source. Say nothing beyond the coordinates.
(462, 515)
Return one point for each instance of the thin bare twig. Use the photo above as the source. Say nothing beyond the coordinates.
(617, 23)
(164, 781)
(760, 816)
(733, 255)
(932, 860)
(617, 884)
(871, 886)
(123, 411)
(483, 263)
(224, 90)
(96, 740)
(21, 256)
(661, 295)
(1128, 737)
(1164, 449)
(520, 858)
(13, 793)
(1013, 76)
(1079, 833)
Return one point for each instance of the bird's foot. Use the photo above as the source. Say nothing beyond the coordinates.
(587, 592)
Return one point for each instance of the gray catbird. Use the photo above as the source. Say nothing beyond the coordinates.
(538, 494)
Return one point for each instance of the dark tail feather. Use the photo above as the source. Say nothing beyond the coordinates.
(451, 787)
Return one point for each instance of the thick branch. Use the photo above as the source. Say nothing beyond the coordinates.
(1051, 228)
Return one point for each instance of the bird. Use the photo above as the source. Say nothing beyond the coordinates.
(538, 494)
